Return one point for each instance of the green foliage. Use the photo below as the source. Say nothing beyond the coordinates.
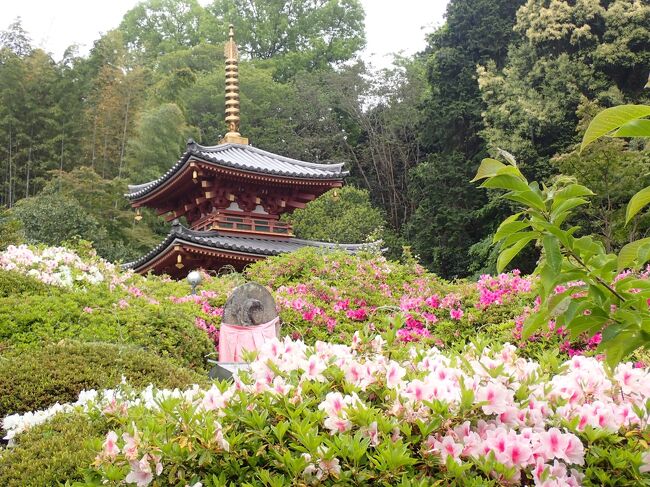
(156, 27)
(53, 453)
(567, 52)
(33, 379)
(615, 174)
(82, 204)
(11, 230)
(12, 283)
(595, 297)
(53, 218)
(36, 318)
(303, 35)
(161, 133)
(449, 216)
(341, 215)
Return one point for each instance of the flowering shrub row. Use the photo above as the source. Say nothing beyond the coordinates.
(320, 297)
(331, 413)
(57, 266)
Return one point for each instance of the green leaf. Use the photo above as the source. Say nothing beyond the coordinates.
(505, 181)
(637, 203)
(629, 253)
(487, 169)
(508, 228)
(533, 323)
(612, 119)
(571, 191)
(552, 252)
(566, 206)
(635, 128)
(510, 253)
(528, 197)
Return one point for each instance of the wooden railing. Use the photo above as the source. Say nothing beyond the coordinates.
(244, 224)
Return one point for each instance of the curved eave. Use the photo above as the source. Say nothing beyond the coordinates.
(242, 249)
(333, 174)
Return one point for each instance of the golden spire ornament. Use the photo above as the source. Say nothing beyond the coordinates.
(232, 91)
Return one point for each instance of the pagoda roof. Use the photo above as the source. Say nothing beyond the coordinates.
(242, 245)
(247, 159)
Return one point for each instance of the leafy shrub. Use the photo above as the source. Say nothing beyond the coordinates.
(339, 415)
(342, 215)
(99, 314)
(12, 283)
(52, 453)
(37, 378)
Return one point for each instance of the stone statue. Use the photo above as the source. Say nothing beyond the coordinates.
(250, 304)
(250, 319)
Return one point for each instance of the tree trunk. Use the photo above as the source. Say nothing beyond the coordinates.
(92, 161)
(126, 122)
(11, 181)
(61, 162)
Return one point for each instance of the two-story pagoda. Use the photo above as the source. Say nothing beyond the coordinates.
(232, 196)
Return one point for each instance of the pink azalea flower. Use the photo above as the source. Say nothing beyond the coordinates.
(111, 449)
(456, 314)
(394, 374)
(496, 396)
(552, 444)
(448, 448)
(140, 473)
(131, 444)
(337, 425)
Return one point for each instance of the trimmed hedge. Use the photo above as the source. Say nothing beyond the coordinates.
(53, 453)
(93, 314)
(35, 379)
(13, 283)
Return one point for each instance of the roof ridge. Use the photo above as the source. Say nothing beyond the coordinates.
(312, 165)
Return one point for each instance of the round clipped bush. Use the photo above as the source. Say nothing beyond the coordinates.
(94, 314)
(52, 453)
(36, 378)
(13, 283)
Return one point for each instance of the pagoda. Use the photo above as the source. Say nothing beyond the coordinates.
(232, 196)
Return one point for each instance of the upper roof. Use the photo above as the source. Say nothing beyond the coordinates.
(264, 246)
(244, 158)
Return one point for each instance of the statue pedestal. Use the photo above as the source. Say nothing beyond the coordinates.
(225, 370)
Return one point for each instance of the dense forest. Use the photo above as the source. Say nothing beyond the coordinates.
(524, 76)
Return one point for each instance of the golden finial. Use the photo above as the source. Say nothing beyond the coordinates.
(232, 91)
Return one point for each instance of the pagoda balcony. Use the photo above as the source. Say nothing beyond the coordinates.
(225, 224)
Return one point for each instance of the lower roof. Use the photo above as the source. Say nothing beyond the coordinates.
(248, 245)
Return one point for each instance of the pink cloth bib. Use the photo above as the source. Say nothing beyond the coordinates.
(234, 339)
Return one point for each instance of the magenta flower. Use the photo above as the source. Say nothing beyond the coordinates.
(456, 314)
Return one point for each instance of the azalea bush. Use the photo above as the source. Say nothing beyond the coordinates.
(362, 414)
(37, 378)
(320, 296)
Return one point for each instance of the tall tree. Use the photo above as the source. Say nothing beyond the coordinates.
(306, 34)
(16, 39)
(160, 136)
(156, 27)
(568, 51)
(449, 217)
